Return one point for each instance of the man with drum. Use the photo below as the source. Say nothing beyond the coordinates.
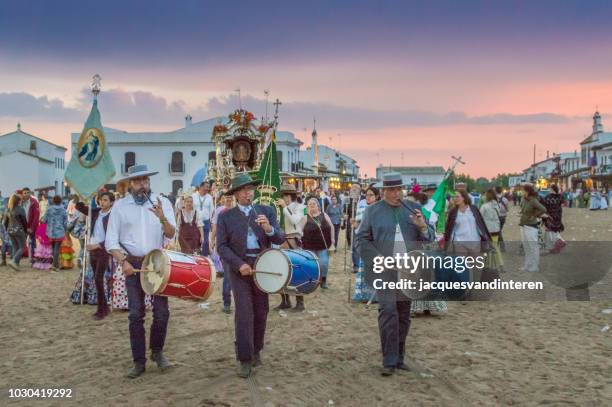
(295, 219)
(138, 224)
(391, 226)
(242, 233)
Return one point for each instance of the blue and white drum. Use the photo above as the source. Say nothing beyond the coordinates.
(287, 271)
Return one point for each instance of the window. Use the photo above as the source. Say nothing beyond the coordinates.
(193, 153)
(176, 185)
(176, 165)
(130, 160)
(32, 145)
(279, 158)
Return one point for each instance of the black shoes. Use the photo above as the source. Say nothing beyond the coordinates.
(227, 309)
(245, 370)
(403, 366)
(136, 371)
(285, 303)
(256, 360)
(160, 359)
(387, 371)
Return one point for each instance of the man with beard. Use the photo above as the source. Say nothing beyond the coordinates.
(242, 233)
(138, 224)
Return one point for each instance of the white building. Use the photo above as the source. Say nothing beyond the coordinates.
(179, 154)
(29, 161)
(423, 176)
(336, 169)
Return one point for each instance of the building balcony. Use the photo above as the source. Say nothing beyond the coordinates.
(176, 169)
(604, 169)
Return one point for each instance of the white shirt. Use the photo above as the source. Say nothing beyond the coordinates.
(294, 218)
(465, 227)
(204, 205)
(136, 227)
(98, 233)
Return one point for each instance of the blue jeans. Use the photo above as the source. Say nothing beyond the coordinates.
(206, 227)
(18, 242)
(323, 256)
(227, 289)
(136, 316)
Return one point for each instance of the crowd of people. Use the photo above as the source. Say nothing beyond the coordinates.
(232, 231)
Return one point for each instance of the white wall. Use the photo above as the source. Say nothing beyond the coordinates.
(17, 171)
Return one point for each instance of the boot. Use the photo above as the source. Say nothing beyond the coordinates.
(245, 369)
(137, 370)
(160, 359)
(299, 304)
(101, 313)
(285, 303)
(324, 282)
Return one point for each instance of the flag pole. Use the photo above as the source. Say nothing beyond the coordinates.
(85, 258)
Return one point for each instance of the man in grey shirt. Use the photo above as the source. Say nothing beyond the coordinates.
(388, 227)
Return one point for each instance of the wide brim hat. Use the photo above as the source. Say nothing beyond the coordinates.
(288, 189)
(391, 180)
(140, 170)
(241, 180)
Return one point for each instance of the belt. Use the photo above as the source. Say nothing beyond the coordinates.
(134, 259)
(252, 252)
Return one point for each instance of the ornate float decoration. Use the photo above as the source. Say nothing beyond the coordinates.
(239, 143)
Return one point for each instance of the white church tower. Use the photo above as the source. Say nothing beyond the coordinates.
(597, 125)
(315, 147)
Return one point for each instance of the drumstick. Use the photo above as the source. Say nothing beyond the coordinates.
(268, 272)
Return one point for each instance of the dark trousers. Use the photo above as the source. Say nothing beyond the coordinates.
(502, 244)
(393, 326)
(227, 289)
(205, 248)
(32, 237)
(99, 263)
(336, 233)
(56, 253)
(250, 316)
(136, 316)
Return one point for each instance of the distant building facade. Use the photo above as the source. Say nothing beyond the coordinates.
(30, 161)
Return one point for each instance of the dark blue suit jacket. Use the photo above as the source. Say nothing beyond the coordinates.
(232, 229)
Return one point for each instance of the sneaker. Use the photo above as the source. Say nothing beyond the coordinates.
(13, 265)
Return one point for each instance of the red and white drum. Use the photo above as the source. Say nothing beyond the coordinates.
(175, 274)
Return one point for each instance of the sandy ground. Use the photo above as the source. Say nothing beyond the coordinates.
(479, 353)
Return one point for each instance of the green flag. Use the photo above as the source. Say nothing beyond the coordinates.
(91, 165)
(269, 175)
(434, 208)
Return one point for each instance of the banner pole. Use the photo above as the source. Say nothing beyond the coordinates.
(86, 252)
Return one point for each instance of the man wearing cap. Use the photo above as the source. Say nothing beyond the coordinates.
(138, 224)
(391, 226)
(294, 221)
(242, 233)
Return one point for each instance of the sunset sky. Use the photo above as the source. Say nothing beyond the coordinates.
(423, 80)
